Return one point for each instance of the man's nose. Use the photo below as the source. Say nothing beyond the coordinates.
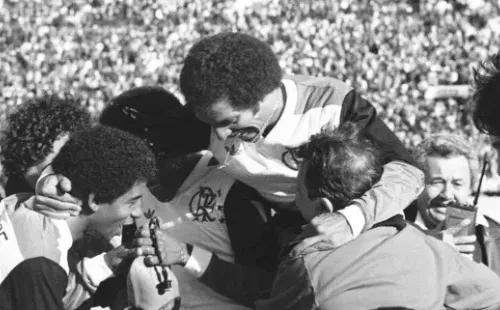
(448, 193)
(222, 133)
(137, 211)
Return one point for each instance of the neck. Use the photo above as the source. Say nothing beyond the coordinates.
(173, 175)
(77, 226)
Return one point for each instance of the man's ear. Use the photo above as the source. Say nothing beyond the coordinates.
(93, 206)
(323, 205)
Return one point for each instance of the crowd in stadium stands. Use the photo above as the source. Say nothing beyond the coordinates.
(390, 51)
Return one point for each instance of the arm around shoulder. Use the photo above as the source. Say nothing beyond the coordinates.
(400, 184)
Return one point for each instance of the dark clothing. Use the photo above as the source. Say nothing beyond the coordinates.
(17, 184)
(256, 243)
(36, 283)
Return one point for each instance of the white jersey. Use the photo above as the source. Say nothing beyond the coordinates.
(196, 216)
(9, 249)
(268, 165)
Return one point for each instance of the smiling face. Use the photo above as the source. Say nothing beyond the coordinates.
(108, 219)
(447, 179)
(227, 122)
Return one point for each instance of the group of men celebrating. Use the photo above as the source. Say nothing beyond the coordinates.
(272, 192)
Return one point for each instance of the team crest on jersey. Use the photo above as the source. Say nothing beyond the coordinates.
(290, 159)
(205, 207)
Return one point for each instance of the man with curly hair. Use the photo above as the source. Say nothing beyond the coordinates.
(233, 82)
(213, 218)
(392, 263)
(34, 134)
(486, 109)
(109, 170)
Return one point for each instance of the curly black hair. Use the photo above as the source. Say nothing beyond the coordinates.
(342, 164)
(157, 116)
(32, 129)
(229, 66)
(104, 161)
(486, 109)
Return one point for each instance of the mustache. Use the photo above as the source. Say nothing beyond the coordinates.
(439, 202)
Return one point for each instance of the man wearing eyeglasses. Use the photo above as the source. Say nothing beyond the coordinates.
(233, 82)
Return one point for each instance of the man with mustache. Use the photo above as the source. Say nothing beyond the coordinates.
(450, 169)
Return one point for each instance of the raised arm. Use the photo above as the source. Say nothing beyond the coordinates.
(401, 182)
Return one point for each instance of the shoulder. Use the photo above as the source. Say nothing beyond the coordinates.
(14, 202)
(284, 295)
(318, 92)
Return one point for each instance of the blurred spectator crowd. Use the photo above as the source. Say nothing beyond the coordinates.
(392, 51)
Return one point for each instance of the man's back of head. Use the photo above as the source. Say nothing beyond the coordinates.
(35, 132)
(487, 91)
(338, 166)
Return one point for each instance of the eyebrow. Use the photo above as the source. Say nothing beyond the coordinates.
(227, 121)
(135, 198)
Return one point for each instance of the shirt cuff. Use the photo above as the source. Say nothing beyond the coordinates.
(198, 261)
(355, 218)
(95, 270)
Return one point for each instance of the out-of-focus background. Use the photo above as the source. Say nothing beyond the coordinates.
(412, 59)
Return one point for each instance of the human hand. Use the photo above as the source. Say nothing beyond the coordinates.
(170, 251)
(331, 228)
(463, 244)
(120, 258)
(53, 199)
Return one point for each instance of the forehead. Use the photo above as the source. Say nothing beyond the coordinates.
(217, 113)
(453, 166)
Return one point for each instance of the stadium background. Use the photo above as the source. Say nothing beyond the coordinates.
(392, 51)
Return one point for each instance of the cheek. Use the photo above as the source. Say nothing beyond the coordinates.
(431, 192)
(463, 194)
(113, 215)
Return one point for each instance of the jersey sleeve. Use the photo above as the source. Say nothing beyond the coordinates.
(401, 181)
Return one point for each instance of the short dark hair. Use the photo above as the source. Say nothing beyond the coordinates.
(230, 66)
(486, 110)
(104, 161)
(157, 116)
(32, 129)
(342, 164)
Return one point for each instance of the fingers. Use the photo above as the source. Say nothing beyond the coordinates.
(469, 256)
(465, 244)
(51, 205)
(464, 239)
(56, 215)
(151, 261)
(465, 248)
(140, 242)
(57, 187)
(143, 251)
(64, 183)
